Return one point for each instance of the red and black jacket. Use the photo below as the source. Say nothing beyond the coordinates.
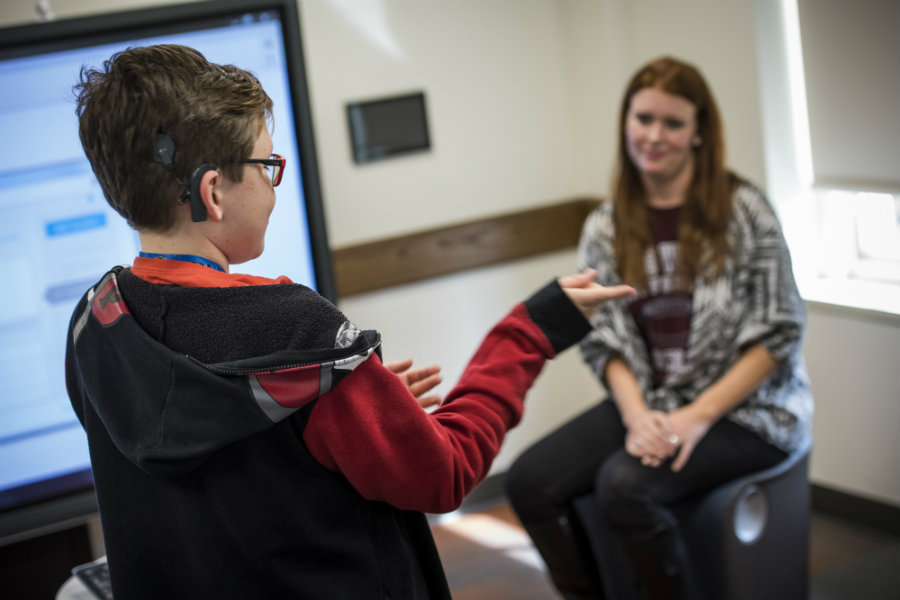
(247, 442)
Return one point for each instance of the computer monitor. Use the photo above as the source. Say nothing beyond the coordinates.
(58, 235)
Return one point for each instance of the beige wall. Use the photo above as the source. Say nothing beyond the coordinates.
(522, 96)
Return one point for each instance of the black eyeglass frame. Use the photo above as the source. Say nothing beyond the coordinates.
(275, 160)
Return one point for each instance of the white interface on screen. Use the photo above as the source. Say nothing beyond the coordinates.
(58, 235)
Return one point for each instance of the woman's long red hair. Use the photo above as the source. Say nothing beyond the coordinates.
(707, 207)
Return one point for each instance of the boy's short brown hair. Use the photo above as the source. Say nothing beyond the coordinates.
(213, 113)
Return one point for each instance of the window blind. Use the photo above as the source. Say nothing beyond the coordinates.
(851, 59)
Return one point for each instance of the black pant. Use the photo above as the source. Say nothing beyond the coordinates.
(587, 454)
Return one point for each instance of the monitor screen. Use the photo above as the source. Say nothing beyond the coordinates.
(58, 235)
(388, 127)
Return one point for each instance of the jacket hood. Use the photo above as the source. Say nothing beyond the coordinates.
(167, 412)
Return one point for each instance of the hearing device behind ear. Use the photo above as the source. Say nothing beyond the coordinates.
(198, 211)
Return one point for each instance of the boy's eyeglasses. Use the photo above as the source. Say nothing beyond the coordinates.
(274, 166)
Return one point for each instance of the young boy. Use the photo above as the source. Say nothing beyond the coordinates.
(245, 437)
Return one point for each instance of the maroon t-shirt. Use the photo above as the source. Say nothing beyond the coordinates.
(663, 311)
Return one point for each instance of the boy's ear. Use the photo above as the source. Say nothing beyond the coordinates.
(203, 201)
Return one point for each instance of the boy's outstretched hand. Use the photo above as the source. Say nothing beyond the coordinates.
(419, 381)
(586, 294)
(581, 289)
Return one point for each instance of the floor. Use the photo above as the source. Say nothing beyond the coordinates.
(487, 556)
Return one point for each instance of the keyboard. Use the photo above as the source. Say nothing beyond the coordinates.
(95, 577)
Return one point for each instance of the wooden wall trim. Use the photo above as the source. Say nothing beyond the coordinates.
(441, 251)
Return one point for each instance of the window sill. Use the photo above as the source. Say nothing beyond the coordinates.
(874, 298)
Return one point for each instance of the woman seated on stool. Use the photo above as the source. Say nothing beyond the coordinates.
(703, 367)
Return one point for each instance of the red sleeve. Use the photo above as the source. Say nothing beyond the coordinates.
(373, 431)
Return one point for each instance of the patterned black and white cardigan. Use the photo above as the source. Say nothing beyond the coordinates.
(754, 301)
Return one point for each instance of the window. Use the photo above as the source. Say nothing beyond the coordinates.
(859, 234)
(831, 115)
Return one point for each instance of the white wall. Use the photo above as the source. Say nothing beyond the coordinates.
(496, 98)
(522, 98)
(853, 358)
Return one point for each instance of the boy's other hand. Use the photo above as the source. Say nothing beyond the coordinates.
(419, 381)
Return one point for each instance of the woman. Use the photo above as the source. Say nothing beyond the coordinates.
(703, 367)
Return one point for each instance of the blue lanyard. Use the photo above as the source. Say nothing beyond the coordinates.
(185, 257)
